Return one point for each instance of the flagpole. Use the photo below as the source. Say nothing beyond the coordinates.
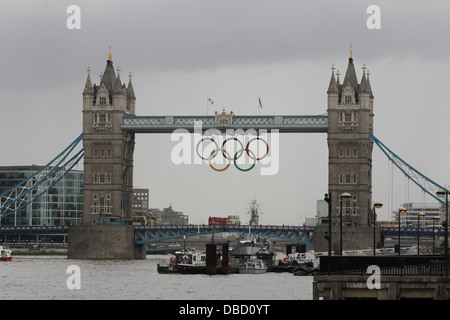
(260, 105)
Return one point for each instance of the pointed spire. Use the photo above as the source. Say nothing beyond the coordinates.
(88, 88)
(363, 84)
(333, 88)
(130, 90)
(369, 87)
(109, 77)
(350, 76)
(118, 89)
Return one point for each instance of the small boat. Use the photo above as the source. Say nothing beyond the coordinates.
(253, 266)
(188, 262)
(5, 254)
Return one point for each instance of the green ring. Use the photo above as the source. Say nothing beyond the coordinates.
(235, 157)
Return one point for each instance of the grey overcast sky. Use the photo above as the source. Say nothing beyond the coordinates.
(182, 51)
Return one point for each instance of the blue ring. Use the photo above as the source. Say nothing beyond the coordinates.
(215, 153)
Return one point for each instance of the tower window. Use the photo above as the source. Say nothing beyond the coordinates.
(348, 99)
(348, 117)
(348, 178)
(102, 101)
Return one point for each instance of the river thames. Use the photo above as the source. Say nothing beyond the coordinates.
(46, 278)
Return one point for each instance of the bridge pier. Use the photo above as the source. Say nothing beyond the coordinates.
(353, 238)
(103, 242)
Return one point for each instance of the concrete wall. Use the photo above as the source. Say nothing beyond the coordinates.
(103, 242)
(343, 287)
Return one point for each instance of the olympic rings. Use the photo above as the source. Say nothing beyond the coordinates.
(267, 151)
(210, 157)
(234, 138)
(236, 156)
(217, 147)
(237, 167)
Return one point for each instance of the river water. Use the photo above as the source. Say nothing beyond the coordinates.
(46, 278)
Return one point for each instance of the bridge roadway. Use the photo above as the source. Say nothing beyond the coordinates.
(145, 234)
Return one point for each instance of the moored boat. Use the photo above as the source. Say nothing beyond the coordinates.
(5, 254)
(253, 266)
(189, 262)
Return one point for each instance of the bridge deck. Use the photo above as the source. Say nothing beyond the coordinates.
(167, 124)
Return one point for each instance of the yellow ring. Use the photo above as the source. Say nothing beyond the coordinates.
(212, 153)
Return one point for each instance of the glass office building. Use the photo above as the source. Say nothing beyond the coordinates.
(61, 205)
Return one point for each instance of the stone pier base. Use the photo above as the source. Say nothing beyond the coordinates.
(103, 242)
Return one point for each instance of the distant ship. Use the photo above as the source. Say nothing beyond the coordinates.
(253, 211)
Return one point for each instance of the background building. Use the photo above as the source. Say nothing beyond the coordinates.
(413, 209)
(322, 211)
(140, 201)
(173, 217)
(61, 205)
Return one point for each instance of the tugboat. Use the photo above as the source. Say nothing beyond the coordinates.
(187, 262)
(5, 254)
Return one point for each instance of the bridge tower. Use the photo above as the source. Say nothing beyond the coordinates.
(108, 150)
(108, 172)
(350, 120)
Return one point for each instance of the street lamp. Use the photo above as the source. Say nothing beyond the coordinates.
(419, 216)
(375, 205)
(344, 196)
(328, 234)
(434, 234)
(441, 193)
(400, 211)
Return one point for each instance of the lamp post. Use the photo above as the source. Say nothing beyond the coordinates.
(434, 234)
(375, 205)
(344, 196)
(328, 200)
(441, 193)
(400, 211)
(328, 236)
(419, 216)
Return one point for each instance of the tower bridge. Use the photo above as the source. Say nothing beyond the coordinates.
(110, 124)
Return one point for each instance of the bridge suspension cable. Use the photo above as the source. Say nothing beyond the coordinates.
(426, 184)
(41, 181)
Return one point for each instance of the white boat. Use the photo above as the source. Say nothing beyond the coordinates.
(184, 262)
(253, 266)
(5, 254)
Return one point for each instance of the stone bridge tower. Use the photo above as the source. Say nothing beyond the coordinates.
(108, 150)
(350, 119)
(108, 172)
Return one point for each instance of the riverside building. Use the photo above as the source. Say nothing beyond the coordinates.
(62, 205)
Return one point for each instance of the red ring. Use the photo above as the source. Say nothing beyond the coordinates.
(267, 151)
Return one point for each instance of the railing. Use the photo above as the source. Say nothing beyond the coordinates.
(427, 265)
(33, 229)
